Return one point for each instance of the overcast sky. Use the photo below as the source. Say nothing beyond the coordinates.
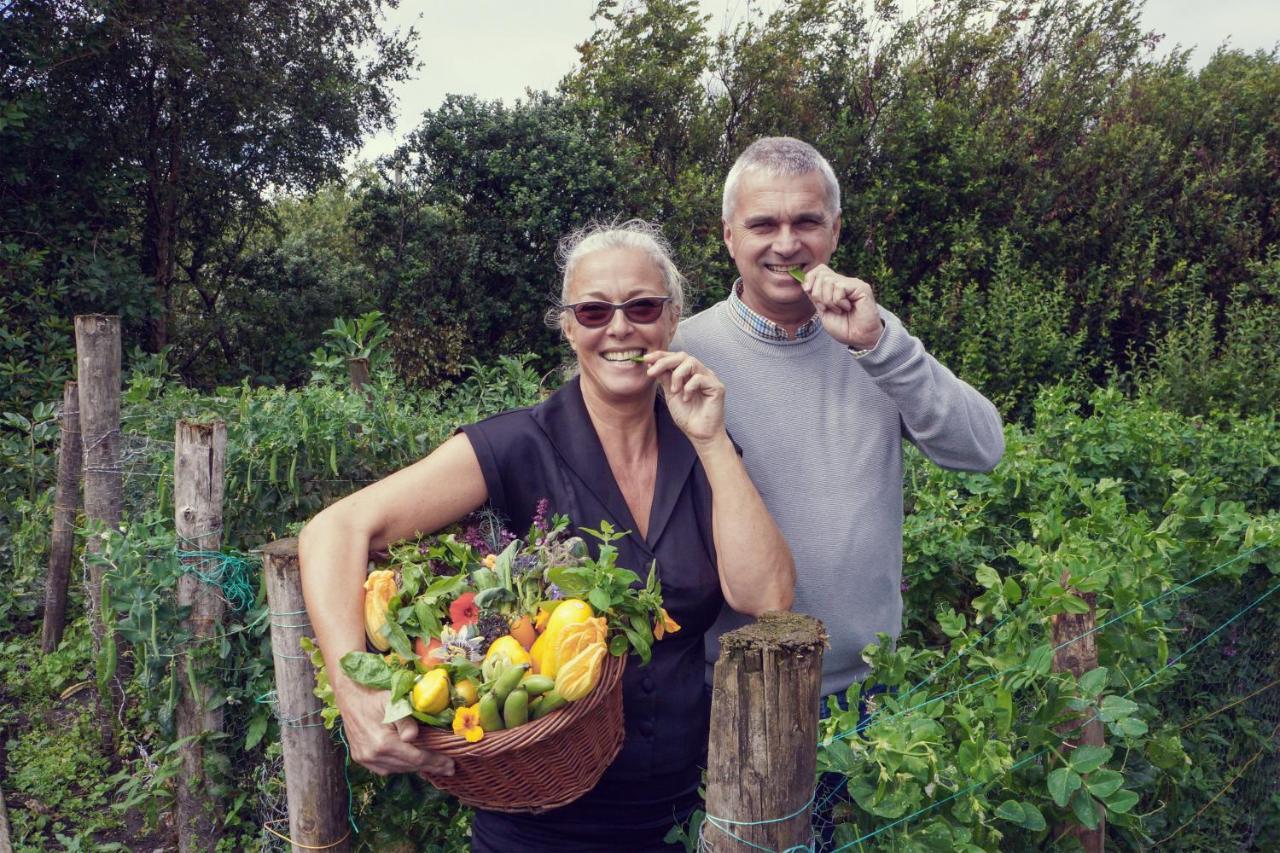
(496, 49)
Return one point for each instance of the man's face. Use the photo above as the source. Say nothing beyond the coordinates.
(779, 223)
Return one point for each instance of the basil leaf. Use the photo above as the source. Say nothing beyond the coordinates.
(367, 669)
(397, 710)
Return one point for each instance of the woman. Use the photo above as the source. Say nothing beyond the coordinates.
(605, 446)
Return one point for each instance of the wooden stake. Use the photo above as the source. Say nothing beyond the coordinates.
(314, 783)
(98, 381)
(762, 755)
(5, 845)
(358, 372)
(199, 457)
(66, 503)
(1078, 656)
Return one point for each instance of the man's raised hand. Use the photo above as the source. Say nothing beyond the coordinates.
(846, 306)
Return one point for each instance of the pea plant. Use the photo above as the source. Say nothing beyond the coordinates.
(977, 742)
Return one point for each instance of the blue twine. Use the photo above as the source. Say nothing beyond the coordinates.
(230, 573)
(722, 824)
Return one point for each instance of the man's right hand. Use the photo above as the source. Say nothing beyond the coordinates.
(383, 748)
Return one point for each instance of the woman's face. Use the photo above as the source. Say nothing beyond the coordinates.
(616, 276)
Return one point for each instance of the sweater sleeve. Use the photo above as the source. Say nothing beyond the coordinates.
(948, 419)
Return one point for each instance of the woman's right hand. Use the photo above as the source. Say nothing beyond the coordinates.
(382, 747)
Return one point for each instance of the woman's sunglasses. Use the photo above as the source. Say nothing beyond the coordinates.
(643, 310)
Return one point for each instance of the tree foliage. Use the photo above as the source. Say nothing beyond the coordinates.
(141, 140)
(461, 230)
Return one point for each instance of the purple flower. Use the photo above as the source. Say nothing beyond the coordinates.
(540, 514)
(905, 585)
(524, 564)
(473, 536)
(440, 568)
(553, 592)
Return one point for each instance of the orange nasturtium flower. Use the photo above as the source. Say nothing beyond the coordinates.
(466, 723)
(664, 624)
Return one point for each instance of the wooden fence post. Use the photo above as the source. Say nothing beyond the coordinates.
(98, 381)
(65, 504)
(199, 457)
(1075, 638)
(313, 762)
(358, 373)
(762, 755)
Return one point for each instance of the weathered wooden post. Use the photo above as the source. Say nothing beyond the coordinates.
(1075, 641)
(98, 384)
(5, 845)
(66, 502)
(762, 756)
(358, 373)
(199, 458)
(314, 783)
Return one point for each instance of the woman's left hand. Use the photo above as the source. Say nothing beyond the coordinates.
(695, 397)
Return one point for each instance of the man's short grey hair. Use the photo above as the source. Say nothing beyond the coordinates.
(780, 157)
(632, 234)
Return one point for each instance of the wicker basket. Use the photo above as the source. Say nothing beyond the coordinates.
(543, 764)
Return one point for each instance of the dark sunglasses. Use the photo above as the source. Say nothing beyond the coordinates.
(642, 309)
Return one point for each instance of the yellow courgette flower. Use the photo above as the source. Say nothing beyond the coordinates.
(664, 624)
(490, 561)
(466, 723)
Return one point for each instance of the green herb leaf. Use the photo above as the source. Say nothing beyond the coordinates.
(397, 710)
(599, 599)
(367, 669)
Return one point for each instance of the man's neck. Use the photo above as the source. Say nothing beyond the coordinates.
(789, 317)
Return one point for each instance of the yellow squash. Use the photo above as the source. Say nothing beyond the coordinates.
(379, 589)
(431, 692)
(579, 675)
(571, 611)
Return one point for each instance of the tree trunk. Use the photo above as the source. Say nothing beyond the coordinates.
(1079, 656)
(762, 755)
(66, 503)
(313, 774)
(98, 374)
(199, 456)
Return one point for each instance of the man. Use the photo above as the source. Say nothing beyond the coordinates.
(823, 386)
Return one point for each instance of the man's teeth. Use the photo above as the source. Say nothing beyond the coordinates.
(622, 355)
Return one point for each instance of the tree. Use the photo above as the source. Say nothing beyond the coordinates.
(462, 228)
(146, 134)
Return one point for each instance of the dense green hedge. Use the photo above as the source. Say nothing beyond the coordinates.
(1036, 189)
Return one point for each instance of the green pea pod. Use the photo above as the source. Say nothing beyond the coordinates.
(515, 711)
(550, 701)
(507, 681)
(106, 661)
(536, 685)
(490, 719)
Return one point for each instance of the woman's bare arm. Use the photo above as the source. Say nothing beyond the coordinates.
(333, 555)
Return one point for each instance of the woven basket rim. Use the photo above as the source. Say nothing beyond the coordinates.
(506, 740)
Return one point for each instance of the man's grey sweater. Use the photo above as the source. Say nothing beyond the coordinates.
(821, 435)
